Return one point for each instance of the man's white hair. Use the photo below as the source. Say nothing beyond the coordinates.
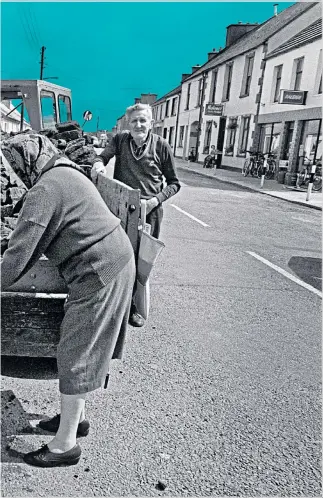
(139, 107)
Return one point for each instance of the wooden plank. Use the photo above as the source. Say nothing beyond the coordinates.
(123, 202)
(30, 325)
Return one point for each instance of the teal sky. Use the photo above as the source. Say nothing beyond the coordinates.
(110, 53)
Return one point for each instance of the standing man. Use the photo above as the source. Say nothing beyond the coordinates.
(143, 161)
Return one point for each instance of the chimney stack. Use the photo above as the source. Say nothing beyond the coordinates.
(212, 54)
(236, 31)
(184, 76)
(275, 9)
(195, 68)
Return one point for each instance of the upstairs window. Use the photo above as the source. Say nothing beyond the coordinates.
(213, 86)
(277, 81)
(174, 106)
(247, 75)
(167, 109)
(199, 93)
(227, 82)
(297, 73)
(188, 96)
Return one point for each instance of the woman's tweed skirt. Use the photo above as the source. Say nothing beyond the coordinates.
(93, 332)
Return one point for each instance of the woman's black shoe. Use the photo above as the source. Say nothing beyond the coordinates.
(136, 320)
(45, 458)
(52, 425)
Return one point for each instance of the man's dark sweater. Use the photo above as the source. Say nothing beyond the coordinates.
(146, 171)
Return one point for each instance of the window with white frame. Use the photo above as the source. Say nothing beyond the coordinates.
(277, 82)
(207, 137)
(297, 73)
(231, 136)
(213, 86)
(243, 137)
(161, 112)
(227, 81)
(181, 136)
(188, 95)
(199, 93)
(247, 75)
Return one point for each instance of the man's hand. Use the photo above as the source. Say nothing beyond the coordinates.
(98, 167)
(151, 204)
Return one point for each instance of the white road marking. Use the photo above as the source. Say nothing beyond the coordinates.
(306, 220)
(190, 216)
(286, 274)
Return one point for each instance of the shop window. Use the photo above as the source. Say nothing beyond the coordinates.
(207, 137)
(297, 73)
(246, 81)
(188, 96)
(227, 82)
(277, 82)
(181, 136)
(288, 139)
(270, 138)
(231, 136)
(213, 86)
(243, 137)
(48, 109)
(64, 106)
(171, 135)
(311, 141)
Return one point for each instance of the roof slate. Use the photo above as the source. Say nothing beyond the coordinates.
(169, 94)
(307, 35)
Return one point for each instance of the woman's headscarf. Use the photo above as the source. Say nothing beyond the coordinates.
(29, 153)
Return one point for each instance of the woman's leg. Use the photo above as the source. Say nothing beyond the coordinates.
(72, 406)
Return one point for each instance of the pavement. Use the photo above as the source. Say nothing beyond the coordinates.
(271, 187)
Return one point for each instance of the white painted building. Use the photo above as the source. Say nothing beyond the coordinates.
(165, 115)
(231, 81)
(11, 123)
(290, 116)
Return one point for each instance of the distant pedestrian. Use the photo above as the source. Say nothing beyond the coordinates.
(143, 161)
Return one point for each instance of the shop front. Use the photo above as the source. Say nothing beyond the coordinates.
(295, 139)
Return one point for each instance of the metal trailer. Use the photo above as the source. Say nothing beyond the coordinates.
(32, 309)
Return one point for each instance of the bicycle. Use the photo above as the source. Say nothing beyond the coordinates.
(303, 178)
(251, 164)
(269, 164)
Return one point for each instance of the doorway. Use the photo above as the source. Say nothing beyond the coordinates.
(220, 141)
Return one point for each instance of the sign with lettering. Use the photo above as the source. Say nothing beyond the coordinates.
(214, 109)
(294, 97)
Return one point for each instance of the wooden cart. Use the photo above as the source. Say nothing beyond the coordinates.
(32, 309)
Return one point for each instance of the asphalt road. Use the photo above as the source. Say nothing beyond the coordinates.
(219, 394)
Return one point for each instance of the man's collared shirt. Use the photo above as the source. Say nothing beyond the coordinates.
(139, 150)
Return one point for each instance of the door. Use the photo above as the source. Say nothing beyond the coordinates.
(220, 141)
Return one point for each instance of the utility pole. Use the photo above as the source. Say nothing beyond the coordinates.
(97, 124)
(42, 60)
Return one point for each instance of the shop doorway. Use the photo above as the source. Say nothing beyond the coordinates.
(220, 141)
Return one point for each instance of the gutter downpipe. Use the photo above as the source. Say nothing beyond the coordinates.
(260, 91)
(200, 118)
